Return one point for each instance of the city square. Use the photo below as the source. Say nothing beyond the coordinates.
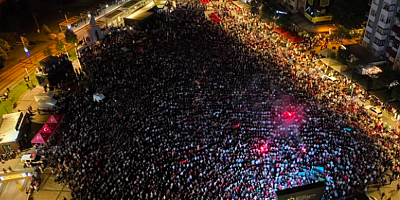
(199, 100)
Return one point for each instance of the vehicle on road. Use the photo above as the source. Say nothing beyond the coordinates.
(332, 78)
(374, 110)
(31, 159)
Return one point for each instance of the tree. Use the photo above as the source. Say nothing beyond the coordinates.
(284, 21)
(343, 56)
(3, 57)
(350, 14)
(384, 79)
(47, 51)
(71, 37)
(4, 45)
(269, 10)
(46, 30)
(396, 92)
(340, 33)
(59, 45)
(10, 37)
(26, 41)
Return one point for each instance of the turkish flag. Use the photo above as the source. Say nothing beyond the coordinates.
(48, 128)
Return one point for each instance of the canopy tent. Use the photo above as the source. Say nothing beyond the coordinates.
(43, 95)
(48, 128)
(286, 34)
(326, 52)
(280, 30)
(9, 127)
(291, 36)
(47, 102)
(40, 138)
(214, 17)
(55, 119)
(242, 5)
(334, 64)
(296, 39)
(97, 97)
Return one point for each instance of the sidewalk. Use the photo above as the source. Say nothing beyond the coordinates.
(50, 190)
(27, 99)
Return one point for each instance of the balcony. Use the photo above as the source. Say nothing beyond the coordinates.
(398, 15)
(396, 29)
(391, 52)
(395, 43)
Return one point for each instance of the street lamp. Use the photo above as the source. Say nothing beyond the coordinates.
(26, 50)
(37, 25)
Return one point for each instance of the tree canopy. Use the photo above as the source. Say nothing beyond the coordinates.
(350, 14)
(3, 57)
(4, 45)
(71, 37)
(396, 92)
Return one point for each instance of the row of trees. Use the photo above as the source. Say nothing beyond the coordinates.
(8, 40)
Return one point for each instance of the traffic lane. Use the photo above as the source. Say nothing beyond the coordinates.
(14, 75)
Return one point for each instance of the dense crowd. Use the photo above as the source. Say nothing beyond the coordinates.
(196, 110)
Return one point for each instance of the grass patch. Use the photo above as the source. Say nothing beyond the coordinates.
(15, 94)
(72, 55)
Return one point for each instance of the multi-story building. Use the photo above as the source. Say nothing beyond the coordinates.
(314, 10)
(289, 5)
(382, 34)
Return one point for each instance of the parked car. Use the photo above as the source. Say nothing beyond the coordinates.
(30, 160)
(374, 110)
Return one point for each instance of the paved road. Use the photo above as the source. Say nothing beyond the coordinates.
(12, 76)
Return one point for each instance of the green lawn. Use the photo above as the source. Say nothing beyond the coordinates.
(15, 94)
(72, 55)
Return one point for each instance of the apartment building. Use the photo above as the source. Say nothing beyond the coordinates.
(382, 34)
(291, 6)
(314, 10)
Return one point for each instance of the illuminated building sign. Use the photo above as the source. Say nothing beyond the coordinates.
(324, 3)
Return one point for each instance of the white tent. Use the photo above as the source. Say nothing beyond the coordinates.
(47, 102)
(97, 97)
(334, 64)
(326, 53)
(38, 96)
(9, 127)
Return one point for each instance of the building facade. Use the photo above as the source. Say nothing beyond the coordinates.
(382, 32)
(314, 10)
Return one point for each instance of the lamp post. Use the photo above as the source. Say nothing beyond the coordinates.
(26, 50)
(37, 25)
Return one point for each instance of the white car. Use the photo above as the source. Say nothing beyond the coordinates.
(374, 110)
(332, 78)
(31, 159)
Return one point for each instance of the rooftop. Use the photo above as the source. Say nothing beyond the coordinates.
(8, 127)
(113, 14)
(362, 54)
(130, 4)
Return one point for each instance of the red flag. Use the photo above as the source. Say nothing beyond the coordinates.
(48, 128)
(236, 125)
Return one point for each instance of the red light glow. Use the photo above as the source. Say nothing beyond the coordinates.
(288, 115)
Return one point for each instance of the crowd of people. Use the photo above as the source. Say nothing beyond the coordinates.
(202, 110)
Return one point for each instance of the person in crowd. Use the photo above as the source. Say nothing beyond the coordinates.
(201, 110)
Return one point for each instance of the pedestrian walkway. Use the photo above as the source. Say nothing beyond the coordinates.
(27, 99)
(50, 190)
(390, 191)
